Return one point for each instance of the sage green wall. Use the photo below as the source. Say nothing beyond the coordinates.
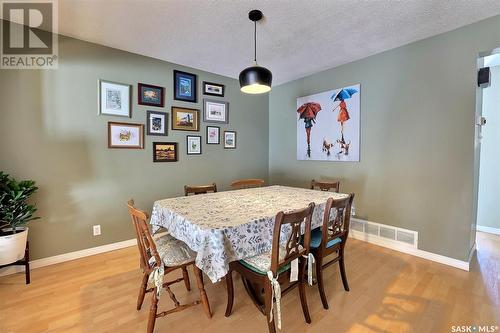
(417, 135)
(50, 132)
(488, 214)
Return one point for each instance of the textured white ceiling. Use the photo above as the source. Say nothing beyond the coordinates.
(295, 39)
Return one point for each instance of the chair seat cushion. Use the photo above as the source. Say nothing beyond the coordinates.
(316, 239)
(261, 263)
(173, 252)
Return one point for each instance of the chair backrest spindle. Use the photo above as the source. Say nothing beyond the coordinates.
(339, 226)
(297, 220)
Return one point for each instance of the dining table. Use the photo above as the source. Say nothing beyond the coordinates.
(232, 225)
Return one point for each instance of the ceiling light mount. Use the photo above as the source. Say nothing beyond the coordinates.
(255, 15)
(255, 79)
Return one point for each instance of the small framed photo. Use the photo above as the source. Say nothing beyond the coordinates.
(157, 123)
(184, 119)
(150, 95)
(213, 89)
(115, 99)
(229, 139)
(213, 135)
(164, 151)
(125, 135)
(193, 143)
(185, 87)
(215, 111)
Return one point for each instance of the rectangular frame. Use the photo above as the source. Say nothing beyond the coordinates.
(205, 84)
(176, 151)
(99, 99)
(206, 117)
(194, 87)
(176, 109)
(148, 123)
(187, 144)
(139, 95)
(218, 135)
(141, 135)
(235, 140)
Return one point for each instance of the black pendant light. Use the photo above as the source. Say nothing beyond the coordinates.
(255, 79)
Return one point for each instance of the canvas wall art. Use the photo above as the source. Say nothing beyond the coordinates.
(328, 125)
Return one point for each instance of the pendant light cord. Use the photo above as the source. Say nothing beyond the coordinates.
(255, 42)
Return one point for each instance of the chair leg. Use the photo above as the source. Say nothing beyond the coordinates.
(230, 293)
(203, 294)
(142, 290)
(302, 292)
(319, 277)
(342, 271)
(185, 276)
(152, 312)
(268, 299)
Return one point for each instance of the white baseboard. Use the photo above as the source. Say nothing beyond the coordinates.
(397, 246)
(489, 230)
(69, 256)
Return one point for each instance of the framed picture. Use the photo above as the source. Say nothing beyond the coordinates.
(125, 135)
(185, 86)
(184, 119)
(157, 123)
(193, 143)
(215, 111)
(213, 135)
(213, 89)
(150, 95)
(164, 151)
(115, 99)
(229, 139)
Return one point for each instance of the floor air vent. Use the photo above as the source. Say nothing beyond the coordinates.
(372, 231)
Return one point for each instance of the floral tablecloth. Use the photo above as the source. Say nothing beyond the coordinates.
(228, 226)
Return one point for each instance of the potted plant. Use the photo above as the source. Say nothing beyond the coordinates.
(15, 213)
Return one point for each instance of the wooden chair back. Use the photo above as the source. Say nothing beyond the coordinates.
(200, 189)
(296, 220)
(326, 186)
(247, 183)
(339, 226)
(145, 242)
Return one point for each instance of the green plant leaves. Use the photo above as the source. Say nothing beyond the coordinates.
(14, 210)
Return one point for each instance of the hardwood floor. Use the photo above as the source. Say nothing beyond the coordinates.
(390, 292)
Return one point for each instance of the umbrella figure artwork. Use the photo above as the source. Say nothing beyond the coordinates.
(336, 134)
(341, 96)
(308, 112)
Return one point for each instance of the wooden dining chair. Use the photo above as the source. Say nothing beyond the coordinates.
(247, 183)
(326, 186)
(254, 270)
(200, 189)
(173, 254)
(331, 238)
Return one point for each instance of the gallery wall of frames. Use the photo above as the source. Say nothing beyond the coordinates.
(115, 99)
